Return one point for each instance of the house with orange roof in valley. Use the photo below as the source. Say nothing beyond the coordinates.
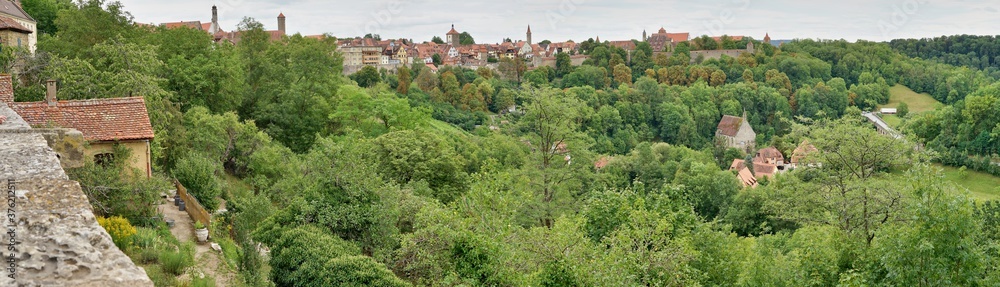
(801, 155)
(746, 178)
(104, 123)
(762, 170)
(770, 155)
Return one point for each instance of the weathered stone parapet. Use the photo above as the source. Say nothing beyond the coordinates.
(58, 240)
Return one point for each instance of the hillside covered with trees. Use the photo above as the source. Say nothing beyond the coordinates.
(487, 177)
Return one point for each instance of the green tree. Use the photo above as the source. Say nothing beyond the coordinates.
(623, 75)
(436, 59)
(367, 77)
(512, 69)
(198, 175)
(560, 158)
(437, 40)
(854, 190)
(563, 65)
(404, 80)
(465, 39)
(86, 24)
(413, 156)
(940, 219)
(903, 109)
(45, 13)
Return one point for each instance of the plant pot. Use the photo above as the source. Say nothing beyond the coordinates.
(170, 223)
(177, 200)
(202, 234)
(181, 206)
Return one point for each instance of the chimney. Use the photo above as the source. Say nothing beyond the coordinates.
(6, 89)
(50, 92)
(281, 22)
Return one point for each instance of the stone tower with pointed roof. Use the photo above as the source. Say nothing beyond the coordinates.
(767, 38)
(529, 35)
(281, 22)
(452, 36)
(214, 28)
(644, 35)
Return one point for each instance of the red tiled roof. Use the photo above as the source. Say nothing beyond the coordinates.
(98, 119)
(802, 151)
(730, 125)
(453, 32)
(9, 24)
(197, 25)
(602, 162)
(768, 153)
(763, 169)
(746, 178)
(738, 164)
(679, 37)
(627, 44)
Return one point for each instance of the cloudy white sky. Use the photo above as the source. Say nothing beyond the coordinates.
(559, 20)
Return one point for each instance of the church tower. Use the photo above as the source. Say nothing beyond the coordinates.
(452, 37)
(644, 35)
(529, 34)
(214, 29)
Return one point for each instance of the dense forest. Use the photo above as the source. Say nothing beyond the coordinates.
(487, 177)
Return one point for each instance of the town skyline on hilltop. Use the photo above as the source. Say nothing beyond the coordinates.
(580, 20)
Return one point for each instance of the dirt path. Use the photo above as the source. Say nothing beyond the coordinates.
(206, 260)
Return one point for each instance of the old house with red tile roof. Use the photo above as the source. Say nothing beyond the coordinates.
(18, 24)
(770, 155)
(13, 34)
(662, 41)
(746, 178)
(801, 155)
(103, 122)
(735, 132)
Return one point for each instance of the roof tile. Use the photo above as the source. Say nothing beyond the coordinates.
(98, 119)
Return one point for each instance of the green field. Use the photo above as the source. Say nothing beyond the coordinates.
(983, 187)
(892, 120)
(918, 102)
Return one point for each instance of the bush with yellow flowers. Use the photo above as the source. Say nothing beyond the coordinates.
(120, 229)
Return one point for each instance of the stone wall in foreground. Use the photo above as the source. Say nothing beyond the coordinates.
(57, 239)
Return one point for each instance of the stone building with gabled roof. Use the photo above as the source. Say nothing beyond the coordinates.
(12, 10)
(103, 122)
(735, 132)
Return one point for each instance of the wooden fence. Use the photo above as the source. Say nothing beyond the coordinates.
(193, 207)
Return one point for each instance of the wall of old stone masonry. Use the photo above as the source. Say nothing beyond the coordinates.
(56, 238)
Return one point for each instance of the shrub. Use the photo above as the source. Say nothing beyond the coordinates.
(117, 189)
(120, 229)
(146, 238)
(159, 278)
(175, 262)
(207, 281)
(197, 174)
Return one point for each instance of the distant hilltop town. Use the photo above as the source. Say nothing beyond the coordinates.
(391, 54)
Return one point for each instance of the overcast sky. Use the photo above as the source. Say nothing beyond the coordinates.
(559, 20)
